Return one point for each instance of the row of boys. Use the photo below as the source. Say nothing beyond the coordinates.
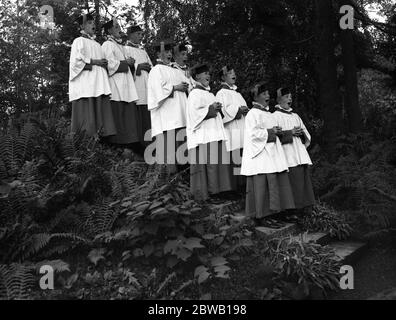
(116, 90)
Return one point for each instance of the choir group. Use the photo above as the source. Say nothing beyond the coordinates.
(118, 93)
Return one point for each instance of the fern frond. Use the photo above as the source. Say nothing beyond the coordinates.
(15, 281)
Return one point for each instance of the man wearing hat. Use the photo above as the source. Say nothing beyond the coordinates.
(123, 90)
(167, 103)
(143, 66)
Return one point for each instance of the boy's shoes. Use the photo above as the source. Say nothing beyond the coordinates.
(269, 223)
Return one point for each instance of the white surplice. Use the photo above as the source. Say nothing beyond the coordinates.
(121, 83)
(86, 83)
(199, 130)
(140, 56)
(296, 152)
(235, 128)
(168, 108)
(260, 156)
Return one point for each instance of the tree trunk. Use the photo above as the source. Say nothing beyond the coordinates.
(352, 107)
(97, 18)
(329, 95)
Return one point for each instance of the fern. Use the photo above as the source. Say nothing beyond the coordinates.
(15, 281)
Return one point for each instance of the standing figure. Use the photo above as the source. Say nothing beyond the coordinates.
(295, 140)
(264, 163)
(89, 87)
(142, 68)
(167, 103)
(209, 173)
(180, 55)
(123, 90)
(234, 111)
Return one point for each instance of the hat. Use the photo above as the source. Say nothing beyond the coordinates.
(81, 20)
(165, 45)
(180, 47)
(134, 29)
(258, 89)
(282, 92)
(109, 24)
(198, 69)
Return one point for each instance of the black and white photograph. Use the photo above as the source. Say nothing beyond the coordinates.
(197, 158)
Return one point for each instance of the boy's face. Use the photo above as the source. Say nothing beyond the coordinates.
(115, 31)
(230, 78)
(136, 37)
(286, 101)
(264, 98)
(203, 78)
(181, 58)
(166, 56)
(89, 27)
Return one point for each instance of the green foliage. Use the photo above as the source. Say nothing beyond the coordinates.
(16, 281)
(325, 219)
(305, 264)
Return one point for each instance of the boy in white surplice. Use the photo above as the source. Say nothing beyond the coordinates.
(89, 87)
(295, 140)
(264, 163)
(167, 103)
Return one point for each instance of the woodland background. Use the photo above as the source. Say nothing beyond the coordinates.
(64, 198)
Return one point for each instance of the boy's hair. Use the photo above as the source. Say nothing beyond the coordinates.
(167, 46)
(180, 48)
(134, 29)
(282, 92)
(224, 71)
(258, 89)
(198, 69)
(108, 25)
(85, 18)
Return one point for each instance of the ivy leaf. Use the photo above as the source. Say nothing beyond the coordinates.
(199, 270)
(193, 243)
(96, 255)
(202, 274)
(171, 246)
(221, 272)
(172, 262)
(183, 254)
(203, 277)
(148, 250)
(218, 261)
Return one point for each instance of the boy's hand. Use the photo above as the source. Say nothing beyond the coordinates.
(99, 62)
(213, 111)
(131, 61)
(277, 130)
(244, 109)
(182, 87)
(297, 132)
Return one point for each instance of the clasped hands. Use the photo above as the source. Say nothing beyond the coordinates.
(182, 87)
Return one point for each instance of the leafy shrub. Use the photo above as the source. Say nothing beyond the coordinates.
(305, 264)
(325, 219)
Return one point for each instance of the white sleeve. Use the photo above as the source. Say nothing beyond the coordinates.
(230, 108)
(78, 58)
(159, 89)
(257, 134)
(113, 62)
(306, 133)
(197, 110)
